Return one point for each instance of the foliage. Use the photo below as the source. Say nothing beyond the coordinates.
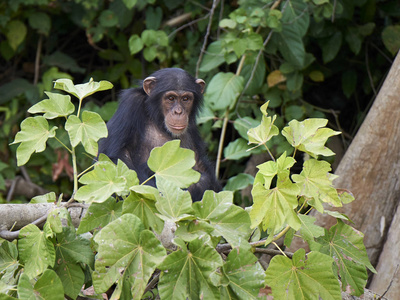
(118, 246)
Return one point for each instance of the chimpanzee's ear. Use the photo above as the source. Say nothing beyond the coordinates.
(202, 84)
(148, 84)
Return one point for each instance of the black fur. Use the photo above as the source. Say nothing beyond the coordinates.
(138, 126)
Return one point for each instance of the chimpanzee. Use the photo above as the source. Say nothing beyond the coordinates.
(162, 109)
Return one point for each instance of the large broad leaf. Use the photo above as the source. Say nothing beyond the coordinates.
(56, 106)
(223, 90)
(124, 244)
(72, 277)
(315, 182)
(301, 278)
(275, 207)
(187, 273)
(173, 163)
(308, 229)
(35, 250)
(309, 136)
(48, 287)
(88, 131)
(82, 90)
(237, 150)
(105, 180)
(142, 203)
(100, 214)
(295, 22)
(345, 245)
(33, 137)
(174, 204)
(228, 220)
(8, 265)
(213, 58)
(244, 274)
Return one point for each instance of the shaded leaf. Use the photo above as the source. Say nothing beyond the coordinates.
(47, 287)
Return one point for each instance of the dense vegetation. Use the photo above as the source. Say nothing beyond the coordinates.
(310, 59)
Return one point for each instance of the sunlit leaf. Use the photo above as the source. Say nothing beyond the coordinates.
(35, 251)
(82, 90)
(309, 136)
(227, 220)
(301, 278)
(56, 106)
(315, 182)
(174, 164)
(104, 180)
(308, 229)
(33, 137)
(174, 204)
(88, 131)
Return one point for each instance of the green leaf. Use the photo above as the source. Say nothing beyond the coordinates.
(33, 137)
(16, 33)
(315, 182)
(56, 106)
(9, 264)
(173, 203)
(301, 278)
(108, 18)
(228, 220)
(345, 245)
(135, 44)
(72, 248)
(88, 131)
(187, 273)
(72, 278)
(265, 131)
(391, 38)
(243, 125)
(100, 214)
(237, 150)
(40, 21)
(223, 90)
(82, 90)
(239, 182)
(48, 287)
(46, 198)
(129, 3)
(136, 251)
(142, 203)
(275, 207)
(309, 137)
(308, 229)
(213, 57)
(105, 180)
(331, 47)
(173, 163)
(35, 251)
(245, 275)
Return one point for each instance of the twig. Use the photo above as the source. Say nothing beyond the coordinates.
(37, 60)
(203, 48)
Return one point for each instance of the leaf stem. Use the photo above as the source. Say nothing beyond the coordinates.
(75, 169)
(148, 179)
(269, 152)
(79, 107)
(65, 146)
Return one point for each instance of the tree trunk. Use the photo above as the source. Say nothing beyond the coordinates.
(371, 170)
